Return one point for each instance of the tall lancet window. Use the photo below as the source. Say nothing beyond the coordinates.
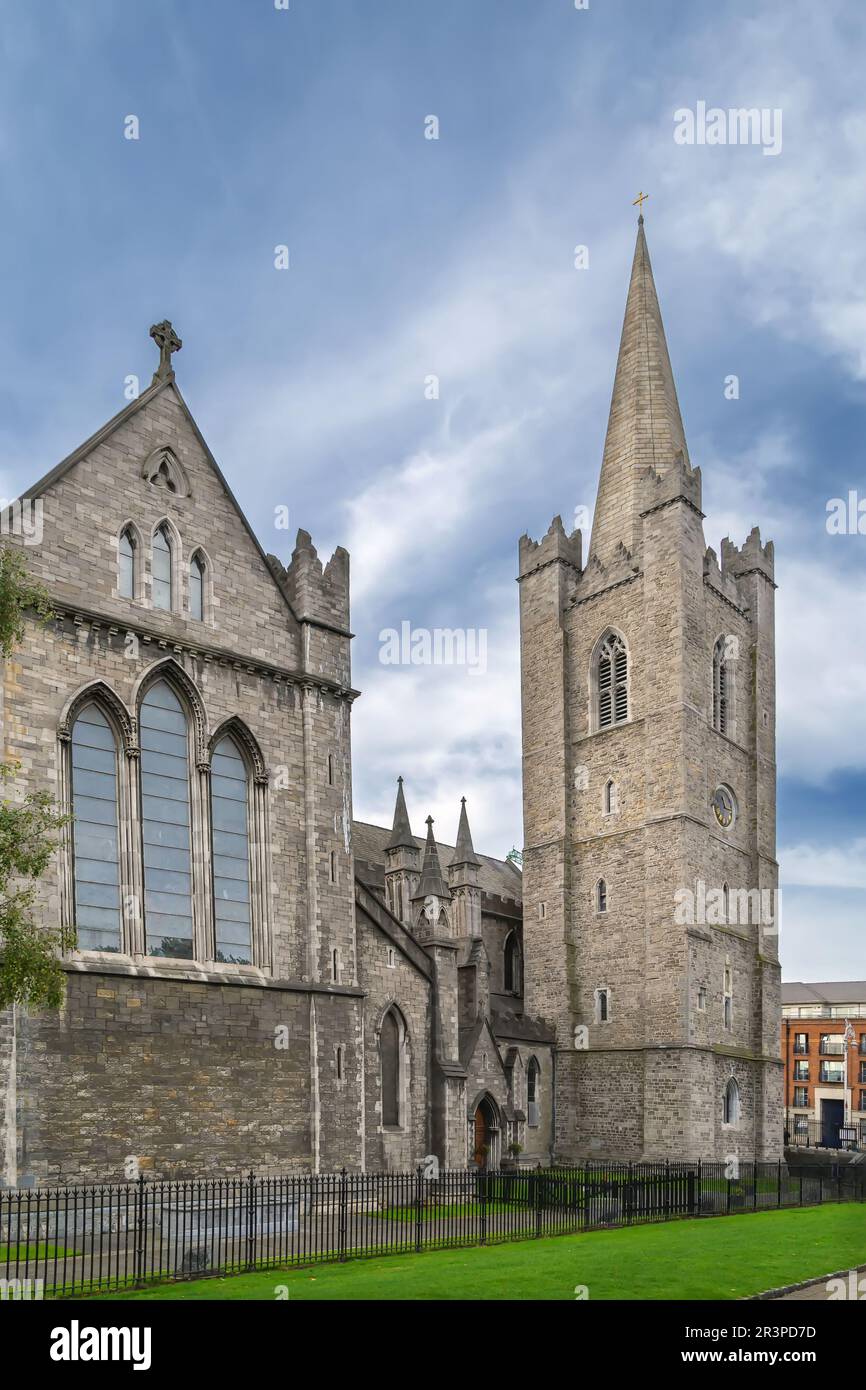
(720, 688)
(389, 1052)
(95, 832)
(165, 820)
(161, 567)
(196, 588)
(126, 564)
(612, 682)
(231, 853)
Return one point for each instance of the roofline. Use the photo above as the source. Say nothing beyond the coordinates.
(105, 431)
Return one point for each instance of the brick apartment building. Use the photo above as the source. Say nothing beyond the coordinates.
(824, 1049)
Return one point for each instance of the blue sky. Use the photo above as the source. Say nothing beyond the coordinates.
(412, 257)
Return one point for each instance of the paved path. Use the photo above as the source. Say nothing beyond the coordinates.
(818, 1292)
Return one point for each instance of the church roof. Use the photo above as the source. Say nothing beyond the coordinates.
(645, 428)
(499, 878)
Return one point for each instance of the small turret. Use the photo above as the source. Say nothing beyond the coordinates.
(432, 897)
(463, 878)
(739, 561)
(403, 862)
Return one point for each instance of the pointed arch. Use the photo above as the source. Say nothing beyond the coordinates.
(533, 1091)
(163, 469)
(601, 895)
(130, 561)
(99, 693)
(392, 1038)
(731, 1102)
(170, 670)
(166, 557)
(610, 677)
(512, 964)
(235, 728)
(200, 586)
(721, 694)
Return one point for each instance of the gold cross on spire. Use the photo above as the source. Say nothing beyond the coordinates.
(639, 201)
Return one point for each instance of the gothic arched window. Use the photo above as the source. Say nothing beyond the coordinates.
(196, 588)
(229, 786)
(165, 822)
(609, 797)
(533, 1079)
(612, 682)
(126, 575)
(512, 964)
(720, 688)
(391, 1045)
(161, 570)
(601, 896)
(731, 1103)
(95, 832)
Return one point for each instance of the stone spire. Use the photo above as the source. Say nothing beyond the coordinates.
(464, 852)
(432, 883)
(401, 832)
(645, 429)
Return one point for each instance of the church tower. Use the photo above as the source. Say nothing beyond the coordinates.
(648, 693)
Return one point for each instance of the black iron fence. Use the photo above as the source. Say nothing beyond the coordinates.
(90, 1238)
(801, 1132)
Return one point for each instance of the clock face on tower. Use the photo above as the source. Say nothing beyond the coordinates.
(724, 806)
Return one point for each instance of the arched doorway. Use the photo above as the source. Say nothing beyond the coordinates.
(486, 1133)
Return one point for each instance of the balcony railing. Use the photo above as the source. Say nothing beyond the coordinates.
(802, 1132)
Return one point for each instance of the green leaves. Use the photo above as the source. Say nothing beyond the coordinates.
(30, 972)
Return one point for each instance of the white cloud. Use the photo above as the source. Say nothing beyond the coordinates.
(822, 866)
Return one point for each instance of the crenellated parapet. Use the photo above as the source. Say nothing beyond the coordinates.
(555, 547)
(750, 557)
(679, 482)
(724, 584)
(316, 592)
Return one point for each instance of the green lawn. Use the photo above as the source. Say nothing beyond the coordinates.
(20, 1253)
(714, 1258)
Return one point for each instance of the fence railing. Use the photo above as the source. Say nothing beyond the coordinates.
(801, 1132)
(89, 1238)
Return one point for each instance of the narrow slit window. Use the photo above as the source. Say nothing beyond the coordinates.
(126, 564)
(161, 567)
(196, 589)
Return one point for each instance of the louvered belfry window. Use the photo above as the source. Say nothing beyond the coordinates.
(612, 683)
(720, 688)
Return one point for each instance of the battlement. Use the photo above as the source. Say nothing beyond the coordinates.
(741, 560)
(725, 584)
(556, 545)
(315, 591)
(678, 481)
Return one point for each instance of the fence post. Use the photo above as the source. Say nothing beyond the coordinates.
(628, 1194)
(251, 1220)
(139, 1230)
(419, 1229)
(700, 1191)
(536, 1202)
(690, 1189)
(728, 1204)
(754, 1184)
(342, 1216)
(779, 1182)
(667, 1201)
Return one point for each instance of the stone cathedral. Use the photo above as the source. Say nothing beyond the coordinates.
(256, 980)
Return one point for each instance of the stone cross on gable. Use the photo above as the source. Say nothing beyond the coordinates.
(168, 342)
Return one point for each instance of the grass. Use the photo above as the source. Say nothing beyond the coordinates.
(17, 1254)
(719, 1258)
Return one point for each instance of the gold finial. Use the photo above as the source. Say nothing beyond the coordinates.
(639, 202)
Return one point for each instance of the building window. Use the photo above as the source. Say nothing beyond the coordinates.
(831, 1071)
(728, 1000)
(335, 966)
(612, 682)
(731, 1103)
(542, 910)
(863, 1042)
(726, 903)
(863, 1100)
(165, 819)
(229, 787)
(862, 1076)
(702, 998)
(801, 1097)
(161, 568)
(339, 1063)
(601, 896)
(610, 798)
(602, 1005)
(801, 1071)
(126, 576)
(330, 769)
(720, 688)
(392, 1046)
(533, 1079)
(333, 862)
(512, 964)
(391, 961)
(832, 1045)
(95, 832)
(196, 588)
(801, 1044)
